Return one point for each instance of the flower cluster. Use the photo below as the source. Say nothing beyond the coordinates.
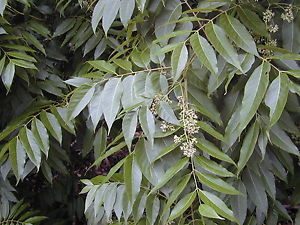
(155, 103)
(164, 126)
(188, 147)
(188, 119)
(288, 14)
(268, 15)
(273, 28)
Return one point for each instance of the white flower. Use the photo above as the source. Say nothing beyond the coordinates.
(268, 15)
(288, 14)
(273, 28)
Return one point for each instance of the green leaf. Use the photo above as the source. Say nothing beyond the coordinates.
(217, 204)
(52, 125)
(108, 153)
(210, 130)
(212, 150)
(34, 41)
(238, 33)
(110, 12)
(61, 114)
(204, 52)
(80, 99)
(103, 66)
(100, 142)
(248, 146)
(182, 205)
(216, 184)
(147, 123)
(2, 63)
(109, 199)
(95, 107)
(256, 191)
(209, 212)
(239, 203)
(31, 147)
(276, 97)
(182, 184)
(21, 55)
(97, 13)
(40, 133)
(7, 75)
(17, 157)
(166, 151)
(23, 64)
(3, 4)
(132, 178)
(178, 60)
(64, 27)
(294, 73)
(169, 174)
(126, 11)
(280, 139)
(111, 97)
(213, 167)
(124, 64)
(254, 92)
(166, 113)
(35, 219)
(217, 37)
(252, 21)
(152, 209)
(129, 125)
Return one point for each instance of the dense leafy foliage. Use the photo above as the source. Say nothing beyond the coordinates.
(149, 112)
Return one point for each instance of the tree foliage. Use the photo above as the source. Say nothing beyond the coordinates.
(192, 107)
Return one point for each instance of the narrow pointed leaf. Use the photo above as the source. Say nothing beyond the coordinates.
(7, 75)
(147, 123)
(213, 167)
(170, 173)
(209, 212)
(276, 97)
(255, 190)
(280, 139)
(210, 130)
(111, 99)
(52, 125)
(166, 113)
(178, 60)
(204, 52)
(132, 178)
(17, 157)
(217, 184)
(238, 33)
(40, 133)
(217, 37)
(31, 147)
(80, 99)
(97, 14)
(212, 150)
(254, 92)
(248, 146)
(239, 203)
(110, 12)
(129, 125)
(217, 204)
(95, 107)
(182, 205)
(126, 11)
